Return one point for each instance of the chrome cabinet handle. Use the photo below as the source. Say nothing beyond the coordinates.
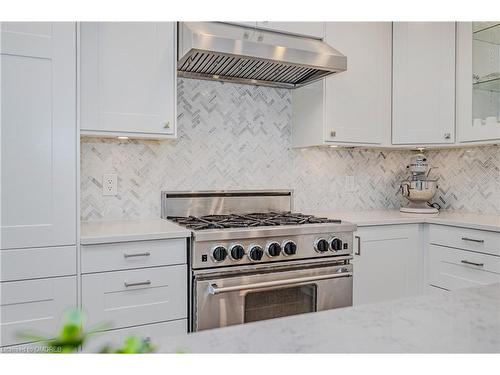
(447, 135)
(472, 263)
(214, 289)
(146, 254)
(333, 133)
(472, 240)
(167, 125)
(358, 238)
(128, 285)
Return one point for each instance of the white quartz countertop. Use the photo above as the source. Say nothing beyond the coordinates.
(97, 232)
(152, 229)
(387, 217)
(467, 320)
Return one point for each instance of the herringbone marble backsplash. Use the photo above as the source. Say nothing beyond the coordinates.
(239, 136)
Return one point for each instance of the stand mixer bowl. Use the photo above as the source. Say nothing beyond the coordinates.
(419, 190)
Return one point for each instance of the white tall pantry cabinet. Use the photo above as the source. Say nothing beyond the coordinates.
(39, 168)
(38, 134)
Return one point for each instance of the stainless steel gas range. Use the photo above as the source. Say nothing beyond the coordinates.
(252, 258)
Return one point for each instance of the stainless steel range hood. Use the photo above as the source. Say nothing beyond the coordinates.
(227, 52)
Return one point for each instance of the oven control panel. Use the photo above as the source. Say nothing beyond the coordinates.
(209, 254)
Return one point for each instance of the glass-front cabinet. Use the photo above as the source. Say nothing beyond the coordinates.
(478, 81)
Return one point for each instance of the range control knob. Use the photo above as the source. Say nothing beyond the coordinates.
(273, 249)
(335, 244)
(321, 245)
(236, 252)
(219, 253)
(255, 253)
(289, 247)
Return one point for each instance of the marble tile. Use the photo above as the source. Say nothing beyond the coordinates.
(239, 137)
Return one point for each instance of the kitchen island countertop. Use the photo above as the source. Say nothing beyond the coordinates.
(463, 321)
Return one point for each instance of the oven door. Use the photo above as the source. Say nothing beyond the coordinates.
(221, 301)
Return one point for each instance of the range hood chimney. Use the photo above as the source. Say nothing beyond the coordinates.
(227, 52)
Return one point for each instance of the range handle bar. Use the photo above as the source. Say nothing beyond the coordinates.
(214, 289)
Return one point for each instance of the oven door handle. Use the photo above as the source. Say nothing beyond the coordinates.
(214, 289)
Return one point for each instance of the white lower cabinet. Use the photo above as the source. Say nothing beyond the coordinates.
(133, 297)
(34, 306)
(154, 333)
(136, 288)
(388, 263)
(453, 269)
(462, 257)
(35, 263)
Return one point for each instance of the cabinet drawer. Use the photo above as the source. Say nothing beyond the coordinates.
(465, 238)
(35, 306)
(155, 333)
(453, 269)
(129, 255)
(133, 297)
(35, 263)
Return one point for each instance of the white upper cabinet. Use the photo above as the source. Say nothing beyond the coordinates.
(358, 101)
(128, 79)
(353, 107)
(478, 81)
(312, 29)
(423, 95)
(39, 134)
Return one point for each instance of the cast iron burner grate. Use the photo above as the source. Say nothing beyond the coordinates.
(257, 219)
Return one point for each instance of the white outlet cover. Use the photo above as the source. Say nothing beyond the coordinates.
(109, 184)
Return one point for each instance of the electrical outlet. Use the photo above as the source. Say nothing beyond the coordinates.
(350, 184)
(109, 184)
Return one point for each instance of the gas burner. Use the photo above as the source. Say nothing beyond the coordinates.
(256, 219)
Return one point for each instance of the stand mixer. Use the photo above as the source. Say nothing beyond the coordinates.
(419, 189)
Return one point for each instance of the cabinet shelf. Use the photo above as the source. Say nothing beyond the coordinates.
(489, 83)
(487, 32)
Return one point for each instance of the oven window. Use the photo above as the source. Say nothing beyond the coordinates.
(276, 303)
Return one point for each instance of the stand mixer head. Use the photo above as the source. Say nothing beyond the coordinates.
(419, 189)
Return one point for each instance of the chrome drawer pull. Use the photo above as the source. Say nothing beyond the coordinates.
(146, 254)
(472, 263)
(472, 240)
(128, 285)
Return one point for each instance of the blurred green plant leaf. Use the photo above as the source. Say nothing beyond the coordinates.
(72, 335)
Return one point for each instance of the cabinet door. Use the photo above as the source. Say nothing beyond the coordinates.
(38, 65)
(478, 81)
(128, 78)
(313, 29)
(358, 101)
(34, 307)
(387, 265)
(423, 83)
